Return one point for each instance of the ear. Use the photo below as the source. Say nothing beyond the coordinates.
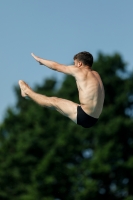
(80, 64)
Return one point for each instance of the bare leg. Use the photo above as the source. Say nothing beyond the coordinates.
(65, 107)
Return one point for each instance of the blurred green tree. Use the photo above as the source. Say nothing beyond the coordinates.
(45, 156)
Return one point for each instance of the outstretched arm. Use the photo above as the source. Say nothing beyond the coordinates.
(56, 66)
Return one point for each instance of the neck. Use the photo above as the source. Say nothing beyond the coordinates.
(88, 67)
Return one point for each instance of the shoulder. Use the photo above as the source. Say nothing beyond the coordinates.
(96, 74)
(67, 69)
(73, 70)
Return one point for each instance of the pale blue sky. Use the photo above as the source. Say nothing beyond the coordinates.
(57, 30)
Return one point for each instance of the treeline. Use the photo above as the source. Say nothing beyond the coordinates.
(45, 156)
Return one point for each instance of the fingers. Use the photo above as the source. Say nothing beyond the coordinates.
(33, 55)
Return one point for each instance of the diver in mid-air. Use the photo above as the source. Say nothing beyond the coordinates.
(89, 84)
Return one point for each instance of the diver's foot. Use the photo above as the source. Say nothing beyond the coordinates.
(24, 88)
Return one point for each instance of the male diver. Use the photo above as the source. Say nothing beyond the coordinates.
(90, 88)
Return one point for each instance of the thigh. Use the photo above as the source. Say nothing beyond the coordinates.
(66, 107)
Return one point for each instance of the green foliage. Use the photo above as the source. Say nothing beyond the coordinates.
(45, 156)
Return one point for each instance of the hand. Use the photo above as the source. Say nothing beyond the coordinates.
(36, 58)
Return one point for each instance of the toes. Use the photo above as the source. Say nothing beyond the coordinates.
(20, 82)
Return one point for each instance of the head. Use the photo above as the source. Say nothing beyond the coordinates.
(84, 58)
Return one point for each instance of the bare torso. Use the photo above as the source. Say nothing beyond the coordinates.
(91, 92)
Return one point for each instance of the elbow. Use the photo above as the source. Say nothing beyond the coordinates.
(56, 66)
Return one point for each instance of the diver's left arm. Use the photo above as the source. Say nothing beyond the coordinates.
(70, 70)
